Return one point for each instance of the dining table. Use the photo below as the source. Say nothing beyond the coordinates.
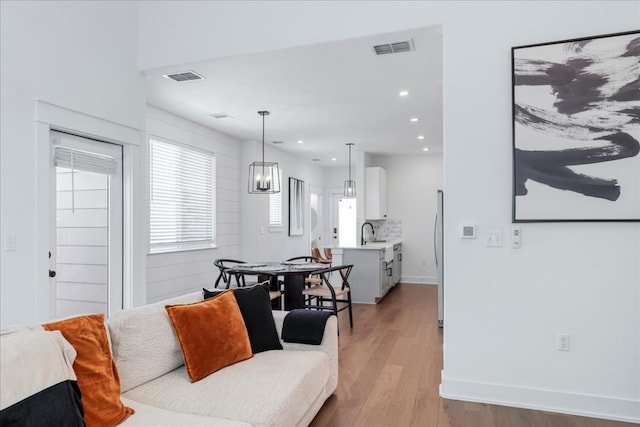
(293, 274)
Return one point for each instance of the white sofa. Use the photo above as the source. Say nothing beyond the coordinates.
(273, 388)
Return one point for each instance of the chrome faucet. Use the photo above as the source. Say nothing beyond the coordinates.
(362, 241)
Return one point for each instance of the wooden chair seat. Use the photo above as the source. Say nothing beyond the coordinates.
(313, 281)
(322, 291)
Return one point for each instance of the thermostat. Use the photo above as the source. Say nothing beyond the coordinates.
(468, 231)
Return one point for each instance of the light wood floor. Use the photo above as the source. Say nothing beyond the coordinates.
(390, 366)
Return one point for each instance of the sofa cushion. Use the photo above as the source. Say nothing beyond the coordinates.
(45, 358)
(144, 343)
(212, 334)
(255, 307)
(274, 388)
(150, 416)
(96, 371)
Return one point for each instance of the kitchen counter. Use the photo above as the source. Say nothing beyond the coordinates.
(376, 268)
(376, 244)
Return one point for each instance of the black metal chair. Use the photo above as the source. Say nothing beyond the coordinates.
(309, 280)
(333, 294)
(224, 265)
(305, 258)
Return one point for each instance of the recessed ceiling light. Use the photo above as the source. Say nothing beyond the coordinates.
(333, 159)
(420, 136)
(300, 141)
(403, 93)
(425, 149)
(414, 119)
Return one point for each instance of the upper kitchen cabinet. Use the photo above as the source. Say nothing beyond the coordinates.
(376, 193)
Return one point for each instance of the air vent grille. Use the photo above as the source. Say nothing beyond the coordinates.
(184, 76)
(397, 47)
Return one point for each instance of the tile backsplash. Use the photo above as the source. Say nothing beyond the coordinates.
(388, 228)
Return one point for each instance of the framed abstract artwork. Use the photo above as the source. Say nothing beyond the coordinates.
(576, 129)
(296, 207)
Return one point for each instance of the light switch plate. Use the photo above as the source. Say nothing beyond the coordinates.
(494, 239)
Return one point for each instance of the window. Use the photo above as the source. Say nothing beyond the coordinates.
(275, 208)
(182, 198)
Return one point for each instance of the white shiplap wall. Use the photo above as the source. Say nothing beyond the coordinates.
(177, 273)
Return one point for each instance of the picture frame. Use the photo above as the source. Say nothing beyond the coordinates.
(296, 207)
(576, 129)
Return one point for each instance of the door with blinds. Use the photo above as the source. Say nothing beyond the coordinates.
(86, 225)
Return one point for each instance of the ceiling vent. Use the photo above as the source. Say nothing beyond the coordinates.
(397, 47)
(221, 116)
(184, 76)
(277, 142)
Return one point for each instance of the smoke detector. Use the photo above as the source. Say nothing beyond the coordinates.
(184, 76)
(396, 47)
(221, 116)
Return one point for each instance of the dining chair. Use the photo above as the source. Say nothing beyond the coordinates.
(326, 292)
(224, 265)
(328, 254)
(316, 253)
(312, 279)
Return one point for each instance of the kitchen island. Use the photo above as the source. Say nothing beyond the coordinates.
(377, 267)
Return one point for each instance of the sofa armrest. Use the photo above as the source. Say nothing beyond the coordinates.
(329, 344)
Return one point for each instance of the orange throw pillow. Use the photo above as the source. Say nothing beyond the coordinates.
(212, 334)
(98, 378)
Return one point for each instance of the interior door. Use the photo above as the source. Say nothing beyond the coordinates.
(86, 225)
(335, 218)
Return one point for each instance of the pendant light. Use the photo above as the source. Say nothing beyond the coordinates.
(264, 177)
(350, 185)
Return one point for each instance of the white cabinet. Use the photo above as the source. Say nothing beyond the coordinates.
(369, 279)
(376, 193)
(397, 264)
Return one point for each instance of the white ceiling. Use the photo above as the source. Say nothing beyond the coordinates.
(326, 95)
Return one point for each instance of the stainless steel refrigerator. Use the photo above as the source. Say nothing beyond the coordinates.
(438, 247)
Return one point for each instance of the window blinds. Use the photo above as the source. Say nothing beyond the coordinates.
(275, 205)
(74, 159)
(182, 206)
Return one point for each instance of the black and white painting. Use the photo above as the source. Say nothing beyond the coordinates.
(296, 207)
(576, 130)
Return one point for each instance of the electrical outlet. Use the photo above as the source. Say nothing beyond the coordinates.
(563, 342)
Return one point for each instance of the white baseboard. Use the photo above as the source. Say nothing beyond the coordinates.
(546, 400)
(419, 279)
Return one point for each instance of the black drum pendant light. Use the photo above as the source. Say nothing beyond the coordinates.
(350, 185)
(264, 177)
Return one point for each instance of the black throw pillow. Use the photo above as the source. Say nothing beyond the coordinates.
(255, 307)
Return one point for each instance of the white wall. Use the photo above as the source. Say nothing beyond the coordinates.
(177, 273)
(259, 242)
(503, 307)
(80, 57)
(413, 182)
